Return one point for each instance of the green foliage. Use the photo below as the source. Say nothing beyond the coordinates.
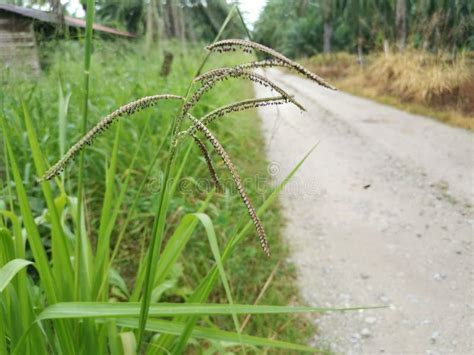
(297, 28)
(72, 229)
(46, 214)
(195, 20)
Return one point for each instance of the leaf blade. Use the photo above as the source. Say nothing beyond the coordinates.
(10, 269)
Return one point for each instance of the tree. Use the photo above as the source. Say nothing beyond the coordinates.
(328, 10)
(385, 13)
(401, 24)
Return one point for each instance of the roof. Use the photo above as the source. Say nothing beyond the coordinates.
(49, 17)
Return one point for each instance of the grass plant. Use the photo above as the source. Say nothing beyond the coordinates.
(60, 290)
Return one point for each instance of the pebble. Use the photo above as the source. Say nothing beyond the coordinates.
(364, 276)
(384, 299)
(365, 333)
(355, 337)
(434, 336)
(370, 320)
(439, 277)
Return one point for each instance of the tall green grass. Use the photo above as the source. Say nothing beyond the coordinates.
(68, 278)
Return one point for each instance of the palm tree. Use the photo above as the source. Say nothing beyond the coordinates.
(401, 24)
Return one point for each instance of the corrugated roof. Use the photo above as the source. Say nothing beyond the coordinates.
(68, 20)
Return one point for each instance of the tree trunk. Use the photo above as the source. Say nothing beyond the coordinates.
(302, 8)
(159, 16)
(174, 14)
(181, 24)
(360, 52)
(149, 35)
(386, 47)
(169, 19)
(327, 37)
(401, 24)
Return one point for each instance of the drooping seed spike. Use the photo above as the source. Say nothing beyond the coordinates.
(230, 44)
(266, 63)
(101, 127)
(238, 182)
(210, 78)
(237, 107)
(210, 166)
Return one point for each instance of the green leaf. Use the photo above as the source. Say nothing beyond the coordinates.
(8, 271)
(105, 227)
(7, 249)
(211, 234)
(67, 310)
(204, 289)
(62, 268)
(176, 328)
(34, 238)
(62, 118)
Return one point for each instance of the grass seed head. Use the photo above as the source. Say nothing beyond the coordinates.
(210, 78)
(210, 166)
(237, 107)
(238, 182)
(101, 127)
(231, 45)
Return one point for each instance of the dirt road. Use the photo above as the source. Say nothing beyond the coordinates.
(380, 214)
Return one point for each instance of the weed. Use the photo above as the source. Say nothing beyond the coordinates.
(54, 314)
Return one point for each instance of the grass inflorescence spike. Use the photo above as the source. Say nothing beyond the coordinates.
(101, 127)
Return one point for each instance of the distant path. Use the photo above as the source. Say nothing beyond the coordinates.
(380, 214)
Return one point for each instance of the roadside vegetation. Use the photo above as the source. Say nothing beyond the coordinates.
(415, 81)
(132, 245)
(415, 55)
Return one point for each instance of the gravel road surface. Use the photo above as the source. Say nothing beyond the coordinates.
(380, 214)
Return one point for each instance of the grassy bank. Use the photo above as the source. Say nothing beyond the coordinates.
(118, 163)
(418, 82)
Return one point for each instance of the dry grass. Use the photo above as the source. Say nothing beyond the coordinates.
(415, 81)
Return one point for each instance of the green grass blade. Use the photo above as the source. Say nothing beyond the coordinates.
(3, 328)
(37, 248)
(158, 234)
(8, 271)
(81, 284)
(154, 250)
(175, 246)
(129, 343)
(62, 118)
(16, 226)
(7, 248)
(34, 239)
(113, 338)
(103, 243)
(202, 292)
(211, 234)
(8, 252)
(62, 268)
(118, 204)
(176, 328)
(67, 310)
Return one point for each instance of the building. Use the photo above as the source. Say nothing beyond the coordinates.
(19, 28)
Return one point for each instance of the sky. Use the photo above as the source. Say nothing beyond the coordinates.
(250, 9)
